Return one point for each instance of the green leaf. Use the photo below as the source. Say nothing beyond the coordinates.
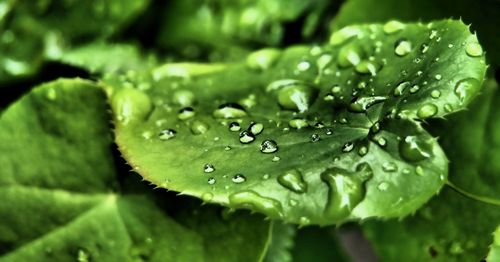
(61, 198)
(100, 57)
(33, 32)
(227, 29)
(453, 227)
(322, 244)
(494, 254)
(282, 242)
(483, 17)
(335, 135)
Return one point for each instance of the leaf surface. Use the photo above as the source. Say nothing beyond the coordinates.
(453, 227)
(62, 200)
(326, 134)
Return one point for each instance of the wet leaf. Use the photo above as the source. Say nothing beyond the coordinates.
(328, 133)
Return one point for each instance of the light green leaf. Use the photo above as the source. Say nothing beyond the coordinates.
(483, 17)
(453, 227)
(494, 254)
(335, 135)
(61, 199)
(103, 57)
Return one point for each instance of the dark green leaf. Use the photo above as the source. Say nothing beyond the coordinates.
(320, 244)
(339, 141)
(282, 242)
(60, 197)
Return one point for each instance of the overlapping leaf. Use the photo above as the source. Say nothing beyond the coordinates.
(318, 134)
(453, 227)
(61, 199)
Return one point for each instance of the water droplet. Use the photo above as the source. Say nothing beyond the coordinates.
(227, 148)
(303, 66)
(208, 168)
(251, 199)
(419, 170)
(465, 88)
(297, 97)
(130, 104)
(328, 132)
(375, 128)
(450, 45)
(256, 128)
(83, 256)
(414, 89)
(436, 94)
(263, 59)
(383, 186)
(293, 202)
(246, 137)
(413, 149)
(456, 248)
(427, 110)
(400, 89)
(438, 77)
(315, 138)
(167, 134)
(276, 158)
(268, 146)
(381, 141)
(402, 47)
(211, 181)
(199, 127)
(207, 197)
(336, 89)
(363, 151)
(346, 190)
(293, 181)
(238, 179)
(230, 110)
(349, 55)
(361, 104)
(184, 98)
(473, 49)
(393, 26)
(368, 67)
(389, 167)
(186, 113)
(433, 34)
(329, 97)
(341, 36)
(298, 123)
(266, 176)
(234, 127)
(424, 48)
(348, 147)
(304, 220)
(448, 108)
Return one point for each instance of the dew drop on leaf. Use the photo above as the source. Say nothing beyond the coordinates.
(412, 149)
(297, 97)
(400, 89)
(238, 179)
(298, 123)
(199, 127)
(427, 110)
(473, 49)
(251, 199)
(234, 127)
(130, 104)
(383, 186)
(349, 55)
(246, 137)
(263, 59)
(229, 110)
(368, 67)
(186, 113)
(211, 181)
(402, 47)
(315, 138)
(361, 104)
(207, 196)
(293, 181)
(341, 36)
(347, 147)
(465, 87)
(389, 167)
(256, 128)
(268, 146)
(167, 134)
(393, 26)
(435, 94)
(424, 48)
(208, 168)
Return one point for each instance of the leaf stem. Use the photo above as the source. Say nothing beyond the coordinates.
(487, 200)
